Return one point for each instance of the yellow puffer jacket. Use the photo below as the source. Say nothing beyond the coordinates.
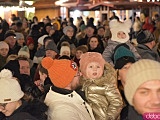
(103, 95)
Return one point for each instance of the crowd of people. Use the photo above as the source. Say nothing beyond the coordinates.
(55, 70)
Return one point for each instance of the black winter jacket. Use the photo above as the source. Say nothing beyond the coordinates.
(34, 110)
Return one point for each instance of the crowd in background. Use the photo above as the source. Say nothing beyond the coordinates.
(27, 48)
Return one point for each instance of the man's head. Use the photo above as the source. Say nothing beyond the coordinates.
(24, 66)
(101, 31)
(142, 88)
(4, 49)
(63, 73)
(90, 30)
(51, 49)
(11, 93)
(10, 38)
(147, 38)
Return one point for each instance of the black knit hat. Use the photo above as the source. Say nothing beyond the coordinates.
(145, 36)
(9, 33)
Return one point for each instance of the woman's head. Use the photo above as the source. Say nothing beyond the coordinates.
(93, 42)
(11, 93)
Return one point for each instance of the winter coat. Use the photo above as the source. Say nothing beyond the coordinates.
(72, 42)
(109, 51)
(2, 61)
(67, 105)
(129, 113)
(97, 49)
(83, 41)
(33, 110)
(14, 50)
(103, 95)
(147, 53)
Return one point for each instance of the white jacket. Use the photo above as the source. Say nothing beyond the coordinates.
(67, 107)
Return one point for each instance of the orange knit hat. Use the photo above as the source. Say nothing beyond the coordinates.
(61, 72)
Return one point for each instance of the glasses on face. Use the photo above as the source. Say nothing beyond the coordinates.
(3, 104)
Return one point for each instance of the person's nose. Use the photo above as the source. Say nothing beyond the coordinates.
(155, 98)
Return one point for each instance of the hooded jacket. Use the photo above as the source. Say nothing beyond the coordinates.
(109, 51)
(103, 96)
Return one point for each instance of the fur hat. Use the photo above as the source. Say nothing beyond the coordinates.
(24, 51)
(139, 73)
(10, 89)
(82, 48)
(116, 26)
(145, 36)
(19, 36)
(40, 39)
(9, 33)
(89, 57)
(51, 46)
(4, 45)
(61, 72)
(122, 56)
(66, 28)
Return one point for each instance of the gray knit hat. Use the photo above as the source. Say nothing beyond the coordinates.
(52, 46)
(66, 28)
(139, 73)
(19, 36)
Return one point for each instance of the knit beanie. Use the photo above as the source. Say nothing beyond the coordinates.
(19, 36)
(139, 73)
(51, 46)
(65, 48)
(82, 48)
(24, 51)
(40, 39)
(10, 89)
(66, 28)
(9, 33)
(61, 72)
(116, 26)
(145, 36)
(89, 57)
(82, 27)
(122, 56)
(4, 45)
(30, 41)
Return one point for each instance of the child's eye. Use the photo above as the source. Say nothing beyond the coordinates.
(90, 66)
(98, 67)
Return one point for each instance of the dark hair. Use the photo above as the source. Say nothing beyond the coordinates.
(22, 58)
(94, 36)
(42, 69)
